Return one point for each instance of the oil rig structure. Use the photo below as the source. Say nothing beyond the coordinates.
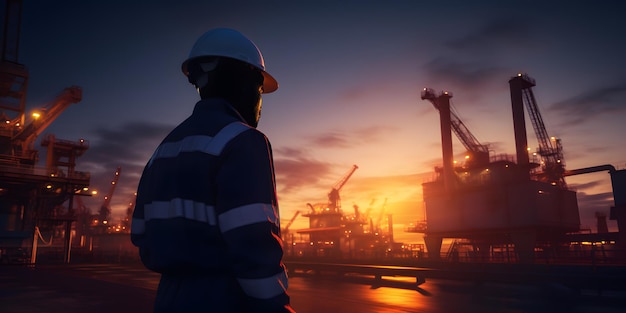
(31, 194)
(338, 235)
(518, 206)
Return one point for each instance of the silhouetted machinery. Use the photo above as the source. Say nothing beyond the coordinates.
(325, 221)
(30, 194)
(501, 203)
(477, 153)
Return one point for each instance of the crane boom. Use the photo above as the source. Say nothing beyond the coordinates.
(24, 139)
(105, 209)
(286, 229)
(550, 148)
(334, 201)
(479, 152)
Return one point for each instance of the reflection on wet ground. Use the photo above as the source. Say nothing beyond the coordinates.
(311, 294)
(122, 288)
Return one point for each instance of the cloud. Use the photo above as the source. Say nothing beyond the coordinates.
(589, 204)
(332, 139)
(347, 139)
(587, 185)
(471, 77)
(498, 33)
(599, 201)
(592, 104)
(128, 147)
(295, 169)
(471, 62)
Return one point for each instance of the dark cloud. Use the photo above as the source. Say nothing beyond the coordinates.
(592, 104)
(295, 169)
(500, 33)
(343, 139)
(128, 147)
(475, 67)
(586, 185)
(589, 204)
(333, 139)
(470, 77)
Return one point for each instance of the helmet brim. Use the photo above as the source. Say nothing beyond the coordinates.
(269, 83)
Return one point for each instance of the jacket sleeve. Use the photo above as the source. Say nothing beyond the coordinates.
(247, 214)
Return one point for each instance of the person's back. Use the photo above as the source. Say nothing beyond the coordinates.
(206, 215)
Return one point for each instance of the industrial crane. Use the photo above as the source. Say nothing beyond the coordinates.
(17, 136)
(334, 200)
(24, 139)
(129, 211)
(550, 148)
(105, 209)
(478, 153)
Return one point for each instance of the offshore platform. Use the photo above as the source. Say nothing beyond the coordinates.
(511, 207)
(335, 234)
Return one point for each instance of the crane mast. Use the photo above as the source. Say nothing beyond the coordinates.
(550, 148)
(479, 153)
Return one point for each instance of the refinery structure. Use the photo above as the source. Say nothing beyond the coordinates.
(493, 208)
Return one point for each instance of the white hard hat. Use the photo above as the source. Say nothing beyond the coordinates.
(225, 42)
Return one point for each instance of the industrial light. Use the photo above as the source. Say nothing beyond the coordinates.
(36, 115)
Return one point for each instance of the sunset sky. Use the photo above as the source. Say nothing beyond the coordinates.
(350, 75)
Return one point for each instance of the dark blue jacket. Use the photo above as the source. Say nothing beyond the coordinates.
(206, 208)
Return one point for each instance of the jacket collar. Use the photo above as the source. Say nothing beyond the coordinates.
(217, 104)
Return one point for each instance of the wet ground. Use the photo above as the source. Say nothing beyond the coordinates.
(100, 288)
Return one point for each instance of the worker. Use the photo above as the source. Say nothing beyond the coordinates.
(206, 215)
